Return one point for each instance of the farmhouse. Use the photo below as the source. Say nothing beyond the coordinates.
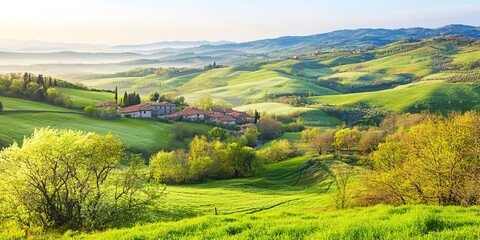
(141, 110)
(219, 117)
(162, 109)
(189, 114)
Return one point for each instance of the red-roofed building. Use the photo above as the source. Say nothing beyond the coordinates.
(189, 114)
(163, 108)
(241, 117)
(219, 117)
(141, 110)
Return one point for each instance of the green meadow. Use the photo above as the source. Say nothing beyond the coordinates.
(432, 95)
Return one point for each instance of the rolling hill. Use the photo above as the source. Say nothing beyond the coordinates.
(146, 136)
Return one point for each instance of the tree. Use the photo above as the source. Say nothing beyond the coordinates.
(63, 178)
(256, 117)
(218, 133)
(269, 128)
(341, 177)
(279, 150)
(169, 167)
(370, 140)
(322, 141)
(243, 159)
(154, 96)
(435, 162)
(1, 106)
(251, 135)
(116, 95)
(126, 101)
(346, 138)
(204, 102)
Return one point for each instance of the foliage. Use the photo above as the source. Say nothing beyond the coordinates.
(56, 97)
(251, 136)
(204, 160)
(319, 141)
(346, 138)
(218, 134)
(278, 151)
(435, 162)
(269, 128)
(130, 99)
(102, 113)
(63, 178)
(154, 96)
(370, 140)
(207, 103)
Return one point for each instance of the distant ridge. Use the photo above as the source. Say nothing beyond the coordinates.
(351, 39)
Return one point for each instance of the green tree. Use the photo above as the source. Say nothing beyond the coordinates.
(62, 178)
(346, 138)
(251, 135)
(126, 100)
(1, 106)
(218, 133)
(256, 117)
(116, 95)
(243, 159)
(269, 128)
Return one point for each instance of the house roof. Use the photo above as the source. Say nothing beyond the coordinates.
(222, 110)
(188, 111)
(106, 105)
(220, 117)
(164, 104)
(136, 108)
(237, 114)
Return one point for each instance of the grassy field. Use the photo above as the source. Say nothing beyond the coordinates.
(142, 135)
(17, 104)
(82, 98)
(431, 95)
(290, 200)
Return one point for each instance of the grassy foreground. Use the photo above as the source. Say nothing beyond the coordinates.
(380, 222)
(290, 200)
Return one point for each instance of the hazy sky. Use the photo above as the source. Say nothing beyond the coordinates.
(144, 21)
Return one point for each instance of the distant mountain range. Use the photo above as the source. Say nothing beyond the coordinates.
(35, 46)
(197, 53)
(349, 39)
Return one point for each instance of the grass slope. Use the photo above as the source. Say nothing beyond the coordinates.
(16, 104)
(431, 95)
(290, 200)
(82, 98)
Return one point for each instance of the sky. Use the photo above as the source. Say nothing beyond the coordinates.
(144, 21)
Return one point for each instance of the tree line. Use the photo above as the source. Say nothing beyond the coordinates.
(36, 87)
(205, 159)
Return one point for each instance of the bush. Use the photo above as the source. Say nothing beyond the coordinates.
(64, 179)
(280, 150)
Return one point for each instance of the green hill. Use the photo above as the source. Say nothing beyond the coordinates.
(428, 95)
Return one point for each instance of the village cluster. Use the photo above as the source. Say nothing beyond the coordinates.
(169, 111)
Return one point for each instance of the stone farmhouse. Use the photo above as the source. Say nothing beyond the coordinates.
(224, 115)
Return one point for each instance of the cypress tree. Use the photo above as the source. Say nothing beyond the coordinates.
(116, 95)
(125, 99)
